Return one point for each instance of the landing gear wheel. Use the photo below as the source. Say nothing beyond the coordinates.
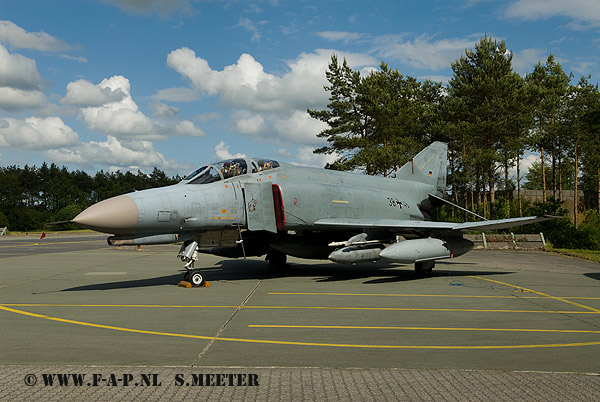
(276, 259)
(424, 268)
(195, 278)
(186, 275)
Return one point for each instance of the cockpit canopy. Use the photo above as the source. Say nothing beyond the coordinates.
(229, 168)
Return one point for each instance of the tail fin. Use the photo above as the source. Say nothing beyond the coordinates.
(428, 166)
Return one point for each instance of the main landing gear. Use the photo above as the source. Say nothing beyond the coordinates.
(424, 268)
(276, 259)
(189, 254)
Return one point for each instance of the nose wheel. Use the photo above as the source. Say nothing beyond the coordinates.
(194, 276)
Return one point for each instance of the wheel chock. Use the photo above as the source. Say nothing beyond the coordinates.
(206, 284)
(184, 284)
(139, 248)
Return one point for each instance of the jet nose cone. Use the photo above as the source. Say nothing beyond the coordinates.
(117, 215)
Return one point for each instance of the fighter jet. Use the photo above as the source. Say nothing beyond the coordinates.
(252, 207)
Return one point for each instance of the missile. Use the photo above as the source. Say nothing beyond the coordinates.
(417, 250)
(354, 254)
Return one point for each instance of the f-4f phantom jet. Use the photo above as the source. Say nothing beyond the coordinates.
(252, 207)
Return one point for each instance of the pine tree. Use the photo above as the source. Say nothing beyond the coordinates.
(485, 94)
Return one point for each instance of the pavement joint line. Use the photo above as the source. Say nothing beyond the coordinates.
(209, 344)
(293, 343)
(303, 307)
(562, 299)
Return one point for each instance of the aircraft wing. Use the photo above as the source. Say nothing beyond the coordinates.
(393, 224)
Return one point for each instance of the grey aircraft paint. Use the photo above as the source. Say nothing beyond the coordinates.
(251, 207)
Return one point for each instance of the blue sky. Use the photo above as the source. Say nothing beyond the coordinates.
(134, 84)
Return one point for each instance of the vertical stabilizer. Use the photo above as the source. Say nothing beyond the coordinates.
(428, 166)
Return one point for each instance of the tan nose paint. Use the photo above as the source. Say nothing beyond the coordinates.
(117, 215)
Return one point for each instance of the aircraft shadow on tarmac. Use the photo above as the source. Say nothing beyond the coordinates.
(593, 275)
(239, 270)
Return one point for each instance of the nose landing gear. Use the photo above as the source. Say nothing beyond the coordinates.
(189, 254)
(194, 276)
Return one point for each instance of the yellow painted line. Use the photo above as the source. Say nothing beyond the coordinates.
(430, 159)
(107, 305)
(88, 324)
(275, 342)
(418, 295)
(562, 299)
(395, 295)
(52, 243)
(340, 201)
(462, 310)
(568, 331)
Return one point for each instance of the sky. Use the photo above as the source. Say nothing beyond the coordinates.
(175, 84)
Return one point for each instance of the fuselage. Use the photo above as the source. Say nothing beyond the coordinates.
(305, 195)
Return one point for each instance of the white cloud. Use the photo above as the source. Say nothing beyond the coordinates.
(270, 106)
(295, 126)
(188, 129)
(299, 127)
(524, 166)
(250, 27)
(80, 59)
(584, 67)
(109, 109)
(103, 112)
(204, 117)
(176, 95)
(340, 36)
(222, 152)
(524, 60)
(162, 110)
(85, 94)
(35, 133)
(246, 84)
(13, 100)
(579, 10)
(249, 123)
(18, 71)
(17, 37)
(284, 153)
(306, 157)
(112, 152)
(423, 52)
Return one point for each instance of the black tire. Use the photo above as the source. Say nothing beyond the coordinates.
(276, 259)
(196, 278)
(424, 268)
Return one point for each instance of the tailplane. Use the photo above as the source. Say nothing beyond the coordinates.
(428, 166)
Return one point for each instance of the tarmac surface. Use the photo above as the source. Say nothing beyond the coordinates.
(499, 325)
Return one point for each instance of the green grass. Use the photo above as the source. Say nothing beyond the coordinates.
(593, 255)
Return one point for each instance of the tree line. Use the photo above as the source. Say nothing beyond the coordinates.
(489, 115)
(32, 196)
